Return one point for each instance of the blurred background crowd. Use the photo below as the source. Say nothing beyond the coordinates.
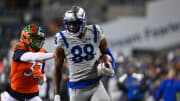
(152, 63)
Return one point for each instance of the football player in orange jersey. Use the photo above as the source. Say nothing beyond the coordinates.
(27, 65)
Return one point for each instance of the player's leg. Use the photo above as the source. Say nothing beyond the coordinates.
(100, 94)
(36, 98)
(81, 94)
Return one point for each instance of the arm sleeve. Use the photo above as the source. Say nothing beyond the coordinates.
(160, 90)
(29, 56)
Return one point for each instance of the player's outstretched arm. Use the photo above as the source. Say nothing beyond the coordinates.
(38, 56)
(59, 60)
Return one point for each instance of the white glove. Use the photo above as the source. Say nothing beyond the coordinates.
(57, 98)
(42, 81)
(106, 70)
(4, 96)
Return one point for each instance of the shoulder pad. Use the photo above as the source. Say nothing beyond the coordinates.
(18, 46)
(89, 27)
(98, 28)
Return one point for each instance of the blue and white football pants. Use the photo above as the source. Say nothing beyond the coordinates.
(95, 92)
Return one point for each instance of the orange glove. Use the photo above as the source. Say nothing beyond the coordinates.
(37, 74)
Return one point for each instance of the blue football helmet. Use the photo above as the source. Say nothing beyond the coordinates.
(75, 20)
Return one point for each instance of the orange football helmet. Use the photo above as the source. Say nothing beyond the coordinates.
(33, 35)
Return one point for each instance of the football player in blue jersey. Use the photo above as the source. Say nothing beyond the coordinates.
(81, 45)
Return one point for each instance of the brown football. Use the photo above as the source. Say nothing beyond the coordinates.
(104, 59)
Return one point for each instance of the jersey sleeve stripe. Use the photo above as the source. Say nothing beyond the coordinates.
(65, 41)
(95, 33)
(18, 54)
(108, 51)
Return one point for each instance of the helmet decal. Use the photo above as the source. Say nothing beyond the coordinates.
(33, 28)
